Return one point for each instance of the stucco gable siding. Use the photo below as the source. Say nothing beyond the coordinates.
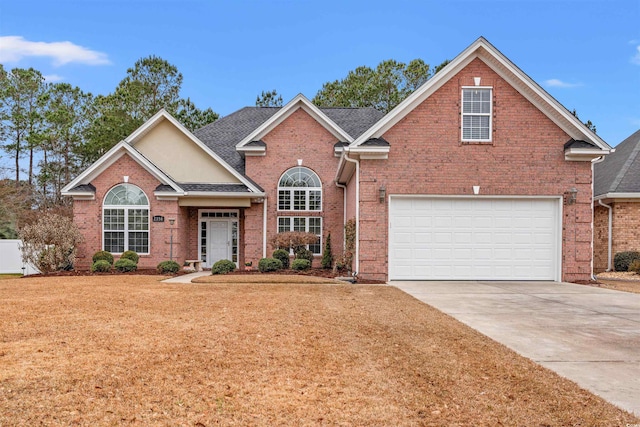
(180, 158)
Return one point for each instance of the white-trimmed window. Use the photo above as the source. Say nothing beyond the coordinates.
(476, 113)
(299, 189)
(303, 223)
(125, 220)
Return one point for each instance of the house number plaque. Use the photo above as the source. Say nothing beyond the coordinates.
(158, 218)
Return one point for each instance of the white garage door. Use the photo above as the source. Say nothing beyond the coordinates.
(473, 239)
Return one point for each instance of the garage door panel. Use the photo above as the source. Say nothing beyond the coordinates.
(469, 239)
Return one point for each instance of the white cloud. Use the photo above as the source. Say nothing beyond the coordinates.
(15, 48)
(52, 78)
(560, 83)
(635, 59)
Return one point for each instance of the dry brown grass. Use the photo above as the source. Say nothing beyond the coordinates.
(129, 350)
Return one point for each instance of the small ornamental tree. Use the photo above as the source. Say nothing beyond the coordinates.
(327, 256)
(349, 243)
(50, 243)
(293, 240)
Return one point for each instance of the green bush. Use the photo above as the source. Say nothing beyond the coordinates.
(304, 253)
(635, 266)
(223, 266)
(125, 265)
(130, 255)
(327, 255)
(168, 267)
(283, 256)
(103, 256)
(269, 264)
(300, 264)
(101, 266)
(622, 260)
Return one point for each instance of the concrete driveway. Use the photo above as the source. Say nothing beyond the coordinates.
(587, 334)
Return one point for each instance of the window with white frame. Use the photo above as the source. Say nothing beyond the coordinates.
(125, 220)
(299, 189)
(476, 114)
(305, 224)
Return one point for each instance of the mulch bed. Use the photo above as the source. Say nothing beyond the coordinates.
(315, 272)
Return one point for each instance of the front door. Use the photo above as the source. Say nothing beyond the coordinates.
(219, 241)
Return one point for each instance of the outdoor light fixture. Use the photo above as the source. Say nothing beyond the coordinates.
(382, 193)
(171, 222)
(572, 195)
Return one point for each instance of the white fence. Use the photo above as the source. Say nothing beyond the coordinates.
(11, 259)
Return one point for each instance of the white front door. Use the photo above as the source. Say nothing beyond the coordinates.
(219, 241)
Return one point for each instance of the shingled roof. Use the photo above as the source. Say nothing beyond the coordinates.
(223, 134)
(620, 170)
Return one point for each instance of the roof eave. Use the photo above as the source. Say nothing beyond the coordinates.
(583, 154)
(611, 196)
(80, 195)
(229, 195)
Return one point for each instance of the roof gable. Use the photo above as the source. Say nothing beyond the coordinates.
(180, 157)
(299, 102)
(500, 64)
(109, 158)
(619, 172)
(127, 147)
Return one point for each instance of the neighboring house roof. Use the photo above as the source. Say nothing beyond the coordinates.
(619, 173)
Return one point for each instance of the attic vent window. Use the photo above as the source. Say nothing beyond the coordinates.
(476, 114)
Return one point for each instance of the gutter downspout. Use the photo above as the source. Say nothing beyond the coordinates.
(610, 230)
(357, 162)
(593, 162)
(264, 228)
(344, 204)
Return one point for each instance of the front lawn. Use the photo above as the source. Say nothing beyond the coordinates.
(129, 350)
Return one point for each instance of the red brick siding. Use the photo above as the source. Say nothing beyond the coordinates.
(88, 216)
(297, 137)
(625, 225)
(525, 157)
(600, 239)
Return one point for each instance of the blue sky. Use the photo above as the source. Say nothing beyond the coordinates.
(585, 53)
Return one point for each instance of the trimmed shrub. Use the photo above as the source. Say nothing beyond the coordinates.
(622, 260)
(327, 255)
(304, 253)
(168, 267)
(125, 265)
(300, 264)
(269, 264)
(101, 266)
(223, 266)
(103, 256)
(635, 266)
(130, 255)
(283, 256)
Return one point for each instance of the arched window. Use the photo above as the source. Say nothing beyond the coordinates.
(299, 189)
(125, 220)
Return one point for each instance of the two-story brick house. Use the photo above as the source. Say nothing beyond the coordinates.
(479, 174)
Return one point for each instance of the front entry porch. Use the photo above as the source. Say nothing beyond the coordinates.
(219, 236)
